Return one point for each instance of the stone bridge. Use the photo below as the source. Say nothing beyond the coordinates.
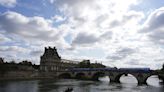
(114, 75)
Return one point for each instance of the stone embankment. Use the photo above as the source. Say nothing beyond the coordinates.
(23, 75)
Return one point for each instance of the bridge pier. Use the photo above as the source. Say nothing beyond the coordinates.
(114, 77)
(142, 78)
(114, 80)
(161, 77)
(141, 81)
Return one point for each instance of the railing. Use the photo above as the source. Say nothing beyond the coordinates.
(145, 70)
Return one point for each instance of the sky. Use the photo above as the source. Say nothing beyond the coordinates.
(119, 33)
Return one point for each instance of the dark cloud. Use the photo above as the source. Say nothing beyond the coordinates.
(36, 53)
(121, 54)
(157, 36)
(106, 35)
(126, 18)
(85, 39)
(154, 26)
(133, 62)
(114, 57)
(154, 21)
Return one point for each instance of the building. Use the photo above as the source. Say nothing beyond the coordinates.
(51, 61)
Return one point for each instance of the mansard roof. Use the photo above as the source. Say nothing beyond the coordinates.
(51, 52)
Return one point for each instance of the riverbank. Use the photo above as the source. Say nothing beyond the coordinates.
(24, 75)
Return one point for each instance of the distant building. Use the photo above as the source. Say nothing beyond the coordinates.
(51, 61)
(65, 64)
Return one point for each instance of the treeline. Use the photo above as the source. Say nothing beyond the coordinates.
(13, 66)
(28, 66)
(162, 68)
(88, 64)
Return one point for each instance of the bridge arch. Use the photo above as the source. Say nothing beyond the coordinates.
(64, 75)
(148, 78)
(128, 78)
(80, 75)
(96, 75)
(141, 78)
(120, 76)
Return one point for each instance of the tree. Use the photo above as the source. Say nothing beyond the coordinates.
(84, 64)
(1, 60)
(36, 66)
(162, 68)
(87, 64)
(25, 62)
(12, 62)
(97, 65)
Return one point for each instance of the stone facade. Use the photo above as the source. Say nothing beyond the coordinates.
(50, 60)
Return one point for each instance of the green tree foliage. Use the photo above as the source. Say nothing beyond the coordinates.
(97, 65)
(12, 62)
(162, 68)
(88, 64)
(25, 62)
(36, 66)
(1, 60)
(84, 64)
(13, 66)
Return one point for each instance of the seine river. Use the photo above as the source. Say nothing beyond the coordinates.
(128, 84)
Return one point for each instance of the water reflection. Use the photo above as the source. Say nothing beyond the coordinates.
(128, 79)
(153, 81)
(19, 86)
(128, 84)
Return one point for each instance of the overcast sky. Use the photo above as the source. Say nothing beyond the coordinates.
(122, 33)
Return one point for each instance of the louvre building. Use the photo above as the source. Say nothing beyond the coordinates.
(51, 61)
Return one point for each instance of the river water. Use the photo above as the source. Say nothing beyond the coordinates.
(128, 84)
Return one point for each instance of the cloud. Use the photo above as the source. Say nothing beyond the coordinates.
(13, 52)
(154, 21)
(36, 53)
(51, 1)
(13, 49)
(88, 39)
(34, 33)
(58, 18)
(154, 26)
(84, 39)
(8, 3)
(121, 53)
(29, 28)
(110, 25)
(133, 62)
(98, 17)
(131, 17)
(97, 13)
(4, 39)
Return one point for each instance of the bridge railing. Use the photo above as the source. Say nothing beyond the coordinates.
(138, 70)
